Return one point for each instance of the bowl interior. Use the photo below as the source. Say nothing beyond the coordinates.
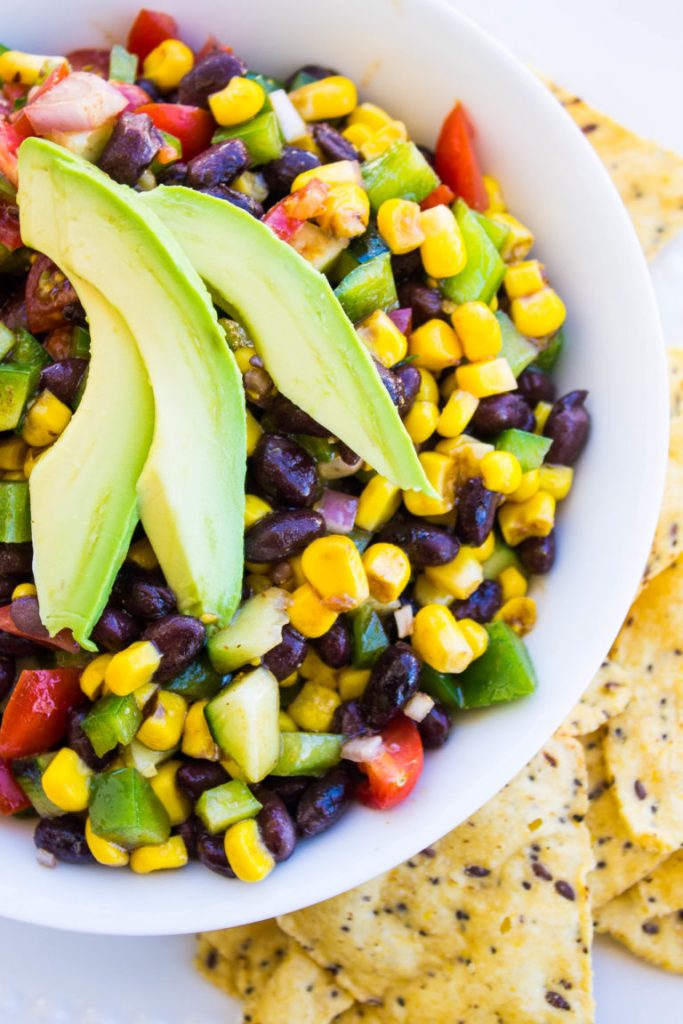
(415, 58)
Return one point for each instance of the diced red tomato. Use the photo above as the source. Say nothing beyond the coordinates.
(21, 618)
(149, 29)
(393, 773)
(281, 224)
(13, 91)
(59, 343)
(192, 126)
(11, 137)
(308, 201)
(456, 160)
(12, 796)
(10, 235)
(210, 46)
(36, 714)
(441, 196)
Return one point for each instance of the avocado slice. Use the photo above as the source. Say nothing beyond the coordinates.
(298, 327)
(191, 489)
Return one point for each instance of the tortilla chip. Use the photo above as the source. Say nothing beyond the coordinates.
(661, 892)
(240, 959)
(656, 939)
(607, 696)
(669, 534)
(648, 178)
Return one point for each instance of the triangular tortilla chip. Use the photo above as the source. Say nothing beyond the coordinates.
(668, 542)
(656, 939)
(608, 694)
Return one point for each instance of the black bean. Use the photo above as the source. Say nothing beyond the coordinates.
(428, 154)
(210, 74)
(286, 471)
(115, 629)
(289, 789)
(316, 71)
(78, 741)
(536, 386)
(482, 605)
(179, 639)
(334, 647)
(288, 655)
(211, 853)
(392, 383)
(7, 674)
(424, 544)
(349, 719)
(276, 824)
(16, 559)
(290, 419)
(434, 728)
(393, 681)
(131, 148)
(333, 143)
(18, 647)
(74, 313)
(218, 165)
(568, 426)
(64, 838)
(476, 512)
(150, 88)
(325, 800)
(281, 173)
(64, 378)
(501, 412)
(406, 265)
(410, 378)
(7, 585)
(231, 195)
(189, 831)
(195, 777)
(147, 600)
(173, 174)
(424, 301)
(537, 554)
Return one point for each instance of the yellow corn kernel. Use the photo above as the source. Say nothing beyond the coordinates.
(513, 583)
(388, 570)
(542, 411)
(370, 115)
(13, 474)
(144, 694)
(352, 682)
(447, 385)
(524, 278)
(427, 592)
(327, 98)
(383, 139)
(441, 472)
(308, 614)
(314, 670)
(45, 420)
(254, 431)
(539, 314)
(478, 331)
(456, 413)
(436, 346)
(340, 172)
(257, 582)
(142, 554)
(485, 550)
(532, 518)
(531, 482)
(491, 377)
(357, 134)
(132, 667)
(398, 222)
(519, 613)
(110, 854)
(501, 472)
(347, 211)
(379, 333)
(197, 739)
(233, 769)
(255, 508)
(493, 304)
(379, 501)
(239, 101)
(164, 784)
(24, 590)
(167, 63)
(556, 480)
(163, 857)
(247, 854)
(308, 143)
(13, 451)
(428, 390)
(66, 781)
(459, 577)
(298, 577)
(25, 68)
(438, 639)
(163, 728)
(421, 420)
(519, 240)
(313, 707)
(92, 676)
(286, 723)
(243, 355)
(495, 194)
(443, 251)
(333, 567)
(289, 680)
(467, 454)
(476, 636)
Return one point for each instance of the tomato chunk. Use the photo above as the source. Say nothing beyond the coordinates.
(149, 29)
(12, 796)
(441, 196)
(393, 773)
(36, 714)
(456, 160)
(191, 125)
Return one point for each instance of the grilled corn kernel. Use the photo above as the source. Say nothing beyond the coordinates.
(163, 857)
(167, 63)
(438, 639)
(538, 314)
(421, 420)
(495, 195)
(164, 784)
(436, 346)
(347, 211)
(519, 613)
(443, 251)
(476, 636)
(132, 667)
(532, 518)
(247, 854)
(485, 550)
(315, 670)
(286, 723)
(379, 501)
(370, 115)
(25, 68)
(459, 577)
(92, 676)
(308, 614)
(456, 413)
(357, 134)
(383, 139)
(388, 570)
(531, 481)
(542, 411)
(466, 452)
(327, 98)
(142, 554)
(491, 377)
(519, 240)
(513, 583)
(164, 727)
(254, 431)
(197, 739)
(239, 101)
(427, 592)
(352, 682)
(13, 451)
(556, 480)
(66, 781)
(104, 852)
(255, 508)
(381, 335)
(313, 707)
(340, 172)
(398, 222)
(428, 390)
(524, 278)
(441, 472)
(24, 590)
(478, 331)
(45, 420)
(333, 566)
(501, 472)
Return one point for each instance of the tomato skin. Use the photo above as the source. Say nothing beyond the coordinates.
(456, 160)
(11, 137)
(149, 29)
(191, 125)
(441, 196)
(12, 796)
(36, 714)
(10, 235)
(24, 621)
(392, 775)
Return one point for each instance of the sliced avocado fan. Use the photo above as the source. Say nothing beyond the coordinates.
(305, 339)
(191, 488)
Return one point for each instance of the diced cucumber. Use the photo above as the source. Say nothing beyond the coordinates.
(368, 637)
(401, 172)
(123, 65)
(198, 681)
(112, 720)
(28, 771)
(15, 512)
(144, 759)
(17, 384)
(503, 557)
(261, 136)
(484, 271)
(308, 753)
(504, 672)
(369, 287)
(125, 809)
(518, 350)
(529, 449)
(221, 807)
(255, 630)
(243, 720)
(548, 356)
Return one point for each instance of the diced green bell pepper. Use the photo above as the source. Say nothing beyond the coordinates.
(222, 806)
(548, 356)
(15, 512)
(261, 136)
(112, 720)
(518, 350)
(123, 66)
(369, 287)
(29, 352)
(145, 760)
(366, 247)
(7, 189)
(14, 261)
(17, 384)
(80, 343)
(28, 771)
(442, 686)
(503, 557)
(361, 538)
(6, 340)
(504, 672)
(529, 449)
(301, 78)
(308, 753)
(174, 143)
(321, 449)
(498, 233)
(368, 637)
(199, 681)
(267, 83)
(484, 271)
(125, 809)
(402, 172)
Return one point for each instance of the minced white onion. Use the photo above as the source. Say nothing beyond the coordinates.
(362, 749)
(418, 707)
(292, 125)
(46, 859)
(404, 617)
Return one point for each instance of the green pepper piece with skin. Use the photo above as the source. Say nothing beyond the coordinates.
(503, 557)
(551, 352)
(15, 512)
(361, 538)
(368, 638)
(28, 352)
(484, 271)
(369, 287)
(223, 806)
(172, 142)
(6, 340)
(442, 687)
(17, 384)
(518, 350)
(261, 136)
(123, 66)
(504, 672)
(267, 83)
(529, 449)
(402, 172)
(498, 233)
(198, 681)
(80, 343)
(125, 809)
(112, 720)
(28, 771)
(308, 753)
(301, 78)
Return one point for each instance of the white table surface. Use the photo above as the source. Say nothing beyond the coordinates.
(626, 57)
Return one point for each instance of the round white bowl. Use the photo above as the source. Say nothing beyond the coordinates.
(416, 57)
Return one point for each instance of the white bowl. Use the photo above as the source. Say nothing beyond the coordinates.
(415, 58)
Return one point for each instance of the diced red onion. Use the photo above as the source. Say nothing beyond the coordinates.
(403, 318)
(338, 510)
(404, 617)
(291, 123)
(418, 707)
(22, 618)
(46, 859)
(134, 95)
(337, 468)
(280, 224)
(362, 749)
(79, 102)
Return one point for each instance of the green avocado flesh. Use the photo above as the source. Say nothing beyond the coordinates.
(191, 489)
(298, 327)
